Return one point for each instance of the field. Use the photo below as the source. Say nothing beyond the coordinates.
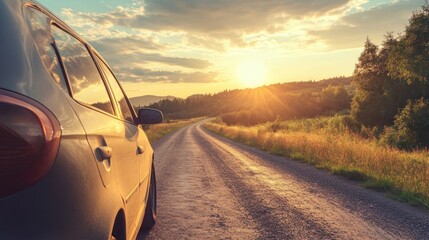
(157, 131)
(327, 143)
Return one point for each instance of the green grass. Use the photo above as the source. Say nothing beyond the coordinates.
(327, 143)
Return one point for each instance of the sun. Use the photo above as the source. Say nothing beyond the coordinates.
(251, 73)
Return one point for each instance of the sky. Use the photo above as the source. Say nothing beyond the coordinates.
(186, 47)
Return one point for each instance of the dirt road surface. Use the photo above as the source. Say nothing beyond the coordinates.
(212, 188)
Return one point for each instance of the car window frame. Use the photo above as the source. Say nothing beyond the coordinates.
(87, 47)
(48, 16)
(98, 58)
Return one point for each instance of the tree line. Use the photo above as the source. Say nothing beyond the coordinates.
(251, 106)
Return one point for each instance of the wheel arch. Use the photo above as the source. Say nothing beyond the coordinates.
(119, 226)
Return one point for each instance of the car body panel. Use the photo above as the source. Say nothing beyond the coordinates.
(69, 203)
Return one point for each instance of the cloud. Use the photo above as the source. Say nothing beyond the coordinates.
(131, 58)
(207, 16)
(126, 44)
(351, 30)
(139, 58)
(201, 19)
(176, 61)
(206, 42)
(147, 75)
(134, 50)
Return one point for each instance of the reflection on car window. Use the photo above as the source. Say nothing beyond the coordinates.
(40, 28)
(86, 83)
(119, 95)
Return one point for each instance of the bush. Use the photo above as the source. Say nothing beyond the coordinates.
(411, 128)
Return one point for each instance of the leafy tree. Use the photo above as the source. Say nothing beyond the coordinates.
(411, 60)
(411, 128)
(396, 91)
(369, 101)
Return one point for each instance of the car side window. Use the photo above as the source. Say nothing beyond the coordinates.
(86, 83)
(40, 26)
(117, 91)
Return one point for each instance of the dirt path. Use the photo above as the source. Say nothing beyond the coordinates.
(213, 188)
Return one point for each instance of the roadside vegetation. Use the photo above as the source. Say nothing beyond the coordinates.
(157, 131)
(328, 143)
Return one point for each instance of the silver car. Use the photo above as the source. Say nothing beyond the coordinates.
(74, 161)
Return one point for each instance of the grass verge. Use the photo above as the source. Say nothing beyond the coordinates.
(157, 131)
(403, 175)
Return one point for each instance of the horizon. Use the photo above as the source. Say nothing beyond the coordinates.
(257, 88)
(183, 48)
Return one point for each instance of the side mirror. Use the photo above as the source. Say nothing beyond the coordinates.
(150, 116)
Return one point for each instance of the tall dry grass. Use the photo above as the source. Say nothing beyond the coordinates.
(318, 142)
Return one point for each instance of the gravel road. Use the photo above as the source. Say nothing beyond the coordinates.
(212, 188)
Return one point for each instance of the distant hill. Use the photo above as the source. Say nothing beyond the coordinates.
(147, 100)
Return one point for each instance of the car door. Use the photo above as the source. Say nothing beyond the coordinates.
(112, 138)
(144, 149)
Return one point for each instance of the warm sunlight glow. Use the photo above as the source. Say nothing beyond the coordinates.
(251, 73)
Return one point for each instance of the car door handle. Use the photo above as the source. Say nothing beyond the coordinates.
(140, 150)
(105, 152)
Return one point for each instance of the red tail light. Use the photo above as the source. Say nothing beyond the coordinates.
(29, 140)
